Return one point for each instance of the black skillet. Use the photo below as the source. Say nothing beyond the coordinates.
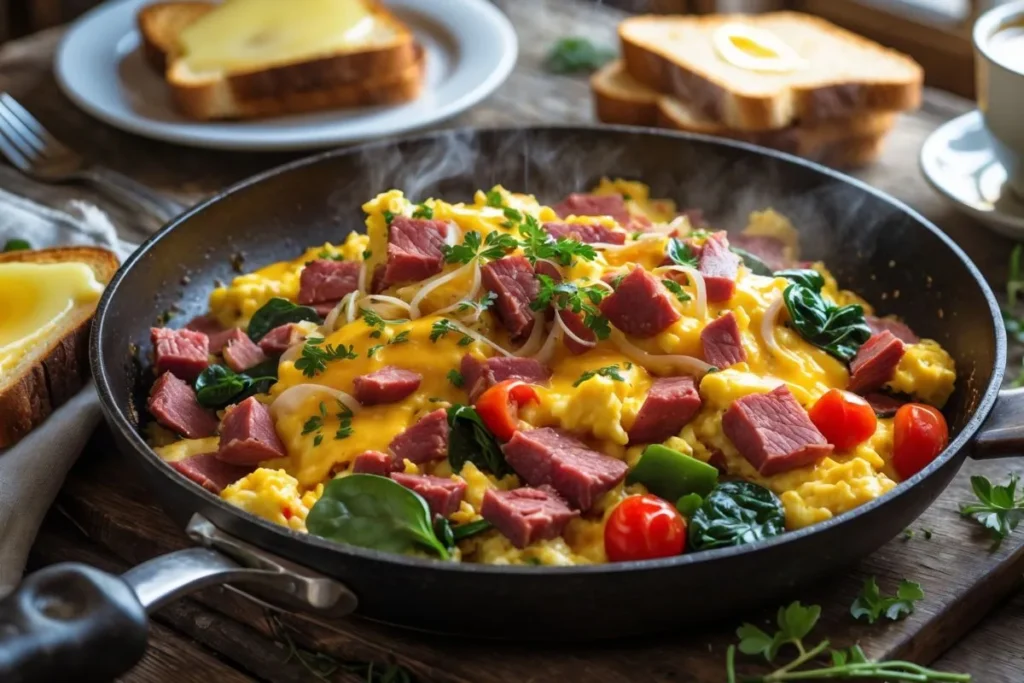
(874, 244)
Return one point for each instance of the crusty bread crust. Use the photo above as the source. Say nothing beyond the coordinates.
(159, 25)
(652, 65)
(61, 368)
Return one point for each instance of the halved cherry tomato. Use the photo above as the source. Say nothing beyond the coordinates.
(499, 406)
(643, 528)
(844, 419)
(919, 435)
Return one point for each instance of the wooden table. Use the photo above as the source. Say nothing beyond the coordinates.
(107, 519)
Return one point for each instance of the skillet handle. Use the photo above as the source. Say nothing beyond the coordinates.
(70, 622)
(1003, 432)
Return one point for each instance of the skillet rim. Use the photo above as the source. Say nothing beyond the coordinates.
(117, 418)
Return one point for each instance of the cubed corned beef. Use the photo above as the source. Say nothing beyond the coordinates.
(210, 472)
(219, 339)
(585, 233)
(579, 204)
(281, 338)
(721, 342)
(424, 441)
(900, 330)
(327, 281)
(248, 436)
(480, 375)
(513, 282)
(640, 306)
(173, 403)
(550, 456)
(719, 266)
(241, 353)
(207, 323)
(875, 362)
(769, 249)
(670, 404)
(773, 432)
(387, 385)
(373, 462)
(414, 250)
(574, 321)
(526, 515)
(548, 268)
(442, 495)
(185, 353)
(883, 404)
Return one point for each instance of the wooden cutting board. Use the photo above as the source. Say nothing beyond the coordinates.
(961, 578)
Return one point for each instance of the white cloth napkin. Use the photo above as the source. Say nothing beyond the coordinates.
(32, 471)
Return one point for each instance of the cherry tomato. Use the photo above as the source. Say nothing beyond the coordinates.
(643, 528)
(499, 406)
(844, 419)
(919, 435)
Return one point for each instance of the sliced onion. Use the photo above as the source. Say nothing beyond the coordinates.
(474, 289)
(550, 344)
(476, 336)
(389, 300)
(603, 285)
(536, 335)
(332, 317)
(768, 332)
(698, 284)
(430, 285)
(452, 233)
(687, 364)
(571, 335)
(292, 352)
(290, 399)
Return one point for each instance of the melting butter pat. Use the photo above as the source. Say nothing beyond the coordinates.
(34, 297)
(755, 49)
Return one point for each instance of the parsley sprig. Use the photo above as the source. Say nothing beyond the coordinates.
(315, 424)
(423, 211)
(609, 371)
(315, 357)
(479, 305)
(495, 245)
(570, 297)
(377, 323)
(443, 327)
(538, 244)
(870, 606)
(400, 338)
(456, 378)
(1000, 509)
(795, 623)
(680, 253)
(676, 289)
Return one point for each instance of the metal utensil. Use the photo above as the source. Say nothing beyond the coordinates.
(37, 153)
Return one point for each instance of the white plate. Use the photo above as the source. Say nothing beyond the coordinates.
(471, 48)
(957, 160)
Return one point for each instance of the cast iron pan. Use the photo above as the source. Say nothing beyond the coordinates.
(874, 245)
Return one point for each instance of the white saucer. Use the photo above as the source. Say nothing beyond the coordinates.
(470, 48)
(957, 160)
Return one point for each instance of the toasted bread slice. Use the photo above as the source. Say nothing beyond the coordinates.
(56, 367)
(255, 68)
(619, 98)
(160, 25)
(842, 74)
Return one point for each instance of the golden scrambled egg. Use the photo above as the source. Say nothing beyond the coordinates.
(600, 410)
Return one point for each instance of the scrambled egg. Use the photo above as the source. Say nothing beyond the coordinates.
(599, 410)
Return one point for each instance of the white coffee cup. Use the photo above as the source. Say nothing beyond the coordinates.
(999, 64)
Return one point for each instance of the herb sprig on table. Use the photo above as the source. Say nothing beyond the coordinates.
(999, 508)
(576, 55)
(870, 606)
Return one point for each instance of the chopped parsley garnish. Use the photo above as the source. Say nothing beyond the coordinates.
(367, 254)
(676, 289)
(609, 371)
(315, 358)
(372, 351)
(481, 305)
(328, 254)
(495, 245)
(423, 211)
(400, 338)
(456, 378)
(441, 329)
(513, 216)
(495, 200)
(312, 424)
(617, 280)
(316, 423)
(388, 216)
(538, 244)
(569, 297)
(377, 323)
(680, 253)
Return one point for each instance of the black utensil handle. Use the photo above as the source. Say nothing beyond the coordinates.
(70, 622)
(1003, 432)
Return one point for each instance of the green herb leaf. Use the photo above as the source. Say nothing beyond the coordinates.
(495, 200)
(570, 297)
(754, 641)
(465, 252)
(388, 216)
(870, 606)
(575, 55)
(999, 509)
(609, 371)
(374, 512)
(538, 244)
(277, 312)
(455, 377)
(315, 357)
(736, 513)
(218, 385)
(676, 289)
(443, 327)
(689, 504)
(469, 440)
(423, 211)
(463, 531)
(752, 262)
(838, 330)
(680, 253)
(16, 245)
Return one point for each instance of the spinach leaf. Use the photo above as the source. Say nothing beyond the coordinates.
(218, 385)
(753, 262)
(839, 330)
(736, 513)
(16, 245)
(277, 312)
(469, 440)
(374, 512)
(470, 529)
(806, 277)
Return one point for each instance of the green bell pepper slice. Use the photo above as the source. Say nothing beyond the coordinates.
(670, 474)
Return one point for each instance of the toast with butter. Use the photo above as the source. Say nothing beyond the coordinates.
(255, 58)
(44, 330)
(768, 71)
(845, 143)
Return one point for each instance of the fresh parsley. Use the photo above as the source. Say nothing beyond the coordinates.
(609, 371)
(538, 244)
(575, 54)
(443, 327)
(680, 253)
(1000, 509)
(374, 321)
(315, 424)
(423, 211)
(400, 338)
(480, 305)
(676, 289)
(495, 245)
(456, 378)
(795, 623)
(329, 255)
(372, 351)
(570, 297)
(388, 216)
(870, 606)
(315, 357)
(495, 200)
(367, 253)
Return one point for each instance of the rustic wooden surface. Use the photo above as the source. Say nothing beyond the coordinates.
(105, 518)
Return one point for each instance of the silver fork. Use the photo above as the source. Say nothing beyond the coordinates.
(35, 152)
